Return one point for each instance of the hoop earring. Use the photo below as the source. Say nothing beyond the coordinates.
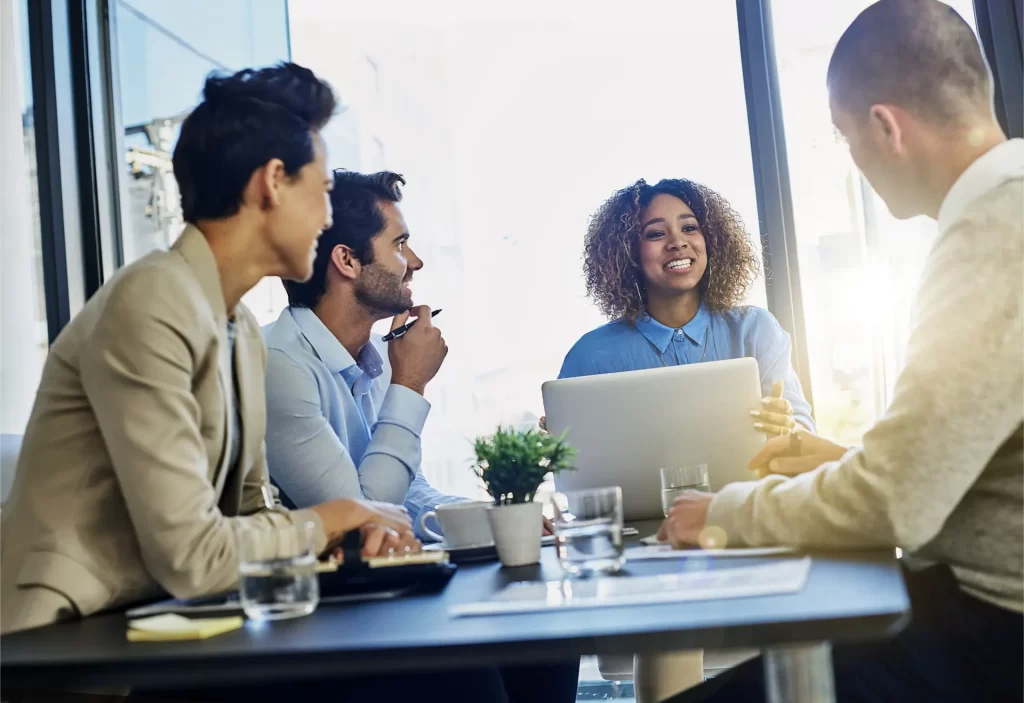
(640, 296)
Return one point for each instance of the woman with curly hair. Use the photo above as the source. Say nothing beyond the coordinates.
(670, 265)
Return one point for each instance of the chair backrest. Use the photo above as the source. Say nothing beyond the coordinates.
(10, 446)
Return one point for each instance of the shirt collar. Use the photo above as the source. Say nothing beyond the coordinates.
(334, 355)
(991, 169)
(661, 335)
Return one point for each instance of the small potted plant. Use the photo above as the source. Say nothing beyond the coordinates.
(513, 464)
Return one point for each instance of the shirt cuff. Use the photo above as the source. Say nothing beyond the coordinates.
(405, 408)
(727, 508)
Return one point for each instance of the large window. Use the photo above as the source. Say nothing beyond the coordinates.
(23, 328)
(165, 50)
(512, 123)
(859, 266)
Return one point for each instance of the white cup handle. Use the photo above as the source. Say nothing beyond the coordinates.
(422, 524)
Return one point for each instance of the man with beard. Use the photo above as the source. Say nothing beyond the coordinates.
(344, 409)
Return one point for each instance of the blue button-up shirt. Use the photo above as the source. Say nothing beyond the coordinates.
(336, 426)
(740, 332)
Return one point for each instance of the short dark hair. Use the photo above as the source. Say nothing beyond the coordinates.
(357, 219)
(918, 54)
(245, 120)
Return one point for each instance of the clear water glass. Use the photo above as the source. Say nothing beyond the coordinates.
(677, 479)
(278, 572)
(588, 531)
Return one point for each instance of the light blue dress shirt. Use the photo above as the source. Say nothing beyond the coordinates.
(740, 332)
(336, 426)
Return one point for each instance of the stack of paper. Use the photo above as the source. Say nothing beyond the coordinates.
(776, 578)
(666, 551)
(172, 627)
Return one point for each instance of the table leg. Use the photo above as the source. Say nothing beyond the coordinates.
(799, 674)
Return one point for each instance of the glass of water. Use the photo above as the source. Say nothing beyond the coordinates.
(588, 531)
(278, 572)
(682, 478)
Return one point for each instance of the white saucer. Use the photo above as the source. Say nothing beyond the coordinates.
(546, 541)
(444, 547)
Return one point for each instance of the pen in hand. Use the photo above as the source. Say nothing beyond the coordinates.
(399, 331)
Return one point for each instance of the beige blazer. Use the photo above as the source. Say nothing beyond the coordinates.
(122, 491)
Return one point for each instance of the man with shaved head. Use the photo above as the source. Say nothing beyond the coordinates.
(911, 93)
(941, 475)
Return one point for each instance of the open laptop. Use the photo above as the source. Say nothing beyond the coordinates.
(626, 426)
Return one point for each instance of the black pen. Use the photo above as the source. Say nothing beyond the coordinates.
(399, 331)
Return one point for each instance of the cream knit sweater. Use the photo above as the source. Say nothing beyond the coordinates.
(942, 473)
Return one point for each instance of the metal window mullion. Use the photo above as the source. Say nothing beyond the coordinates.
(80, 49)
(106, 139)
(771, 178)
(51, 209)
(1000, 27)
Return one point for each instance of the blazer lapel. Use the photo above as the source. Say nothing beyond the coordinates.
(252, 412)
(192, 245)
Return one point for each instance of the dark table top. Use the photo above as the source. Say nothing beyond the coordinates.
(850, 596)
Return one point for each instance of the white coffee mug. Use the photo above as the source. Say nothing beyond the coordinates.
(462, 524)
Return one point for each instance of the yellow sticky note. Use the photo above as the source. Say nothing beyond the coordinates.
(172, 627)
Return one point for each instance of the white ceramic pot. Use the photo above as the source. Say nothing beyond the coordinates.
(517, 531)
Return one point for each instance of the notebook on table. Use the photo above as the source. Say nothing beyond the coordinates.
(377, 578)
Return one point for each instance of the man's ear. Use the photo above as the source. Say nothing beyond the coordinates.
(345, 262)
(885, 122)
(264, 187)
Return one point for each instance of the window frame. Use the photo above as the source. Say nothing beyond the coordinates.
(79, 143)
(48, 71)
(1000, 27)
(771, 180)
(70, 63)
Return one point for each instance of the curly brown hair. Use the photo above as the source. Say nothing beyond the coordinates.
(611, 250)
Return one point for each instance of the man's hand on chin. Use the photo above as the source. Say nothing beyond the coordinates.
(686, 523)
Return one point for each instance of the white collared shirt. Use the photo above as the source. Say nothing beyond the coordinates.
(993, 168)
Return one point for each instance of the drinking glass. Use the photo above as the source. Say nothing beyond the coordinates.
(278, 572)
(677, 479)
(588, 531)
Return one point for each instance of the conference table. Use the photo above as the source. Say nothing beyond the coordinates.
(848, 596)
